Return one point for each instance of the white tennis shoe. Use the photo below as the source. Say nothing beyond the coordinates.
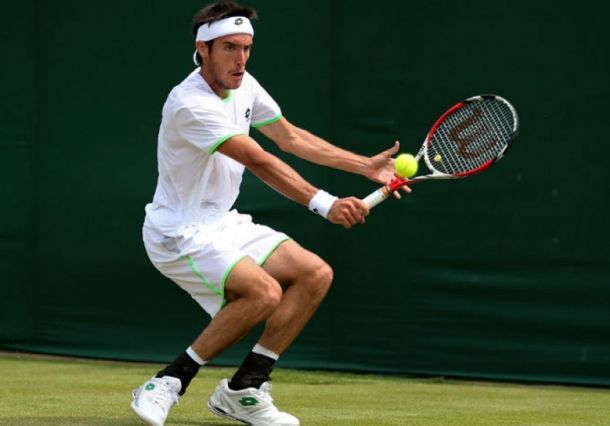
(153, 400)
(252, 406)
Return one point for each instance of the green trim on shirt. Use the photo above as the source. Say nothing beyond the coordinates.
(228, 98)
(264, 123)
(220, 141)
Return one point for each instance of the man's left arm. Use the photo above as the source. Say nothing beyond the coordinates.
(305, 145)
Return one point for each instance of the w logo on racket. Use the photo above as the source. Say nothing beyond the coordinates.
(472, 136)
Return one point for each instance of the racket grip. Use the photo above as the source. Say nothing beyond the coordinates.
(377, 197)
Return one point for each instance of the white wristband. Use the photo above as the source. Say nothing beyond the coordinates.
(321, 203)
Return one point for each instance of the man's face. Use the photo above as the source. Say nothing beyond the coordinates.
(225, 64)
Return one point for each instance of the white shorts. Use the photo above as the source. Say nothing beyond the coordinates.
(200, 258)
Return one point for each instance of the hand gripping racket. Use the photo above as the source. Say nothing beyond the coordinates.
(467, 139)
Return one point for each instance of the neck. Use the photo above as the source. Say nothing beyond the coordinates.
(220, 91)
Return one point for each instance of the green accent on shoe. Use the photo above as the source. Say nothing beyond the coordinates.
(248, 401)
(150, 386)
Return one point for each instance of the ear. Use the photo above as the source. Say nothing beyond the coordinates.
(202, 49)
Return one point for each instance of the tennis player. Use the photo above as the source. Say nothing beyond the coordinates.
(240, 272)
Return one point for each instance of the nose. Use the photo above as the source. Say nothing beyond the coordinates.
(242, 56)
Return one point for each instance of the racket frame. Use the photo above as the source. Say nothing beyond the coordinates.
(386, 191)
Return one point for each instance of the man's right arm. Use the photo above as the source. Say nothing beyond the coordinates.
(284, 179)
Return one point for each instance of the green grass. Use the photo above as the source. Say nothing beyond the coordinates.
(58, 391)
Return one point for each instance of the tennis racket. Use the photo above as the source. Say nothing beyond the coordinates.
(467, 139)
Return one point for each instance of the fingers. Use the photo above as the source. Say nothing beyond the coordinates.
(394, 149)
(354, 211)
(361, 206)
(348, 212)
(405, 188)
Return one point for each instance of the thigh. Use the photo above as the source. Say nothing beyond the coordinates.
(291, 261)
(219, 262)
(248, 280)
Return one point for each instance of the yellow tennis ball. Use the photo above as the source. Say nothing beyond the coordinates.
(405, 165)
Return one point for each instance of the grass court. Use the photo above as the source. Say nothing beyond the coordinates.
(54, 391)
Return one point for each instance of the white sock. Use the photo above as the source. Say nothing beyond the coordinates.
(258, 349)
(190, 352)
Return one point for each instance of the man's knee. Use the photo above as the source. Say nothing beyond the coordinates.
(320, 279)
(272, 295)
(259, 290)
(267, 295)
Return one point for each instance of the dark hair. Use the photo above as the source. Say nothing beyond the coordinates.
(219, 10)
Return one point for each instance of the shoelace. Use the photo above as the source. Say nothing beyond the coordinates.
(167, 397)
(264, 392)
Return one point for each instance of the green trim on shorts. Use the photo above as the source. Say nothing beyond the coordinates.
(191, 262)
(270, 252)
(228, 271)
(224, 279)
(222, 140)
(264, 123)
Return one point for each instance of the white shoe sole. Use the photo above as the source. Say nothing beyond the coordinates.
(142, 416)
(222, 413)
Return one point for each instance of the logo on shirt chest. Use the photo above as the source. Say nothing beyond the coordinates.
(247, 114)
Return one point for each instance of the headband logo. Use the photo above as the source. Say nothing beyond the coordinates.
(238, 21)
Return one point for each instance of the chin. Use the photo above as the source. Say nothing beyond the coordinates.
(234, 83)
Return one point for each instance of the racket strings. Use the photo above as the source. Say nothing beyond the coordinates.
(471, 136)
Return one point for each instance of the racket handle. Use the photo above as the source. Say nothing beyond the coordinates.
(377, 197)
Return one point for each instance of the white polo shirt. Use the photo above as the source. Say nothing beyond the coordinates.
(196, 184)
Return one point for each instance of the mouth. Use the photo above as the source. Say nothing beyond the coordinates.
(238, 74)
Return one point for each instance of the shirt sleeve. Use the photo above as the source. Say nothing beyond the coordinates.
(265, 109)
(205, 127)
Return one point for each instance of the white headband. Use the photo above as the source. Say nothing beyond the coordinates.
(227, 26)
(223, 27)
